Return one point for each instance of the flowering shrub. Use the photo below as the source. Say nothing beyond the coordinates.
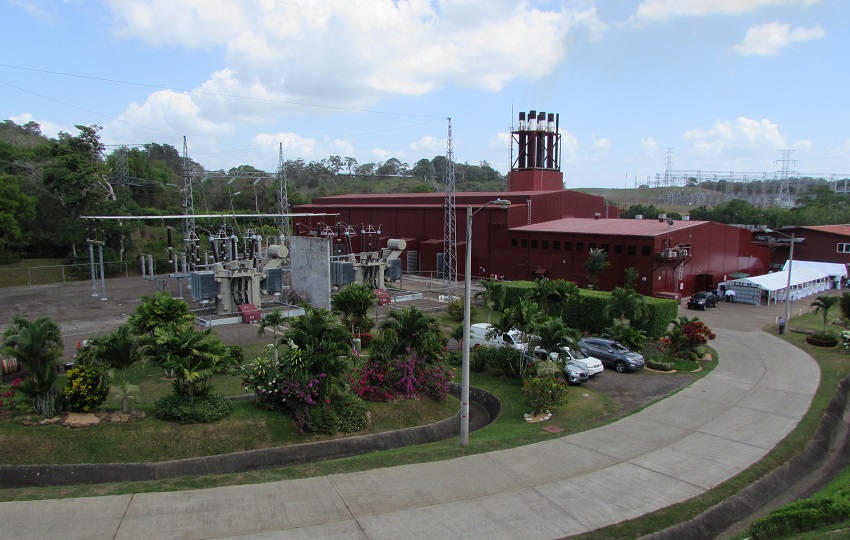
(365, 339)
(407, 377)
(686, 336)
(7, 398)
(87, 387)
(845, 342)
(543, 393)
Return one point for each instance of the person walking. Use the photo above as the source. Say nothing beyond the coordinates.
(781, 324)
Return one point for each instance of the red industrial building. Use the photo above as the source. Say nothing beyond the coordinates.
(821, 243)
(547, 231)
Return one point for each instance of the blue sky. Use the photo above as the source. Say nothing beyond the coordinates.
(725, 84)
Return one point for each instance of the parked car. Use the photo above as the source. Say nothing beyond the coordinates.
(512, 338)
(612, 354)
(591, 364)
(703, 300)
(573, 371)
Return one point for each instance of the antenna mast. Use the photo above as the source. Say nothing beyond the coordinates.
(450, 225)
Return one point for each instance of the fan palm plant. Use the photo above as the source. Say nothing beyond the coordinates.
(823, 304)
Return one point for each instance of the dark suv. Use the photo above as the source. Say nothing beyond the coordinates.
(612, 354)
(702, 300)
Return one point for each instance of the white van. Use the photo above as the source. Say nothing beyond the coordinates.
(512, 338)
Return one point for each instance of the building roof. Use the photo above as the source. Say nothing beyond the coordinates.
(833, 269)
(843, 230)
(621, 227)
(779, 280)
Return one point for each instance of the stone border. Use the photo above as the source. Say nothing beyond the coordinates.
(15, 476)
(824, 449)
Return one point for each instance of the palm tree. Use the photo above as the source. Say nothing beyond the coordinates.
(37, 345)
(553, 334)
(411, 328)
(631, 277)
(625, 303)
(319, 343)
(354, 303)
(597, 261)
(845, 305)
(274, 319)
(192, 356)
(492, 296)
(457, 335)
(157, 311)
(119, 350)
(823, 304)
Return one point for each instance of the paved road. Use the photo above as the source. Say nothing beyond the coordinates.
(728, 420)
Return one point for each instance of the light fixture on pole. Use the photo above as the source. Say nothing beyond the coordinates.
(467, 300)
(788, 279)
(788, 286)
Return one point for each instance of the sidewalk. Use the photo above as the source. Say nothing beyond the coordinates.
(729, 419)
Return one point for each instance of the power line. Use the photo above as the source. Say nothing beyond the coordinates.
(217, 94)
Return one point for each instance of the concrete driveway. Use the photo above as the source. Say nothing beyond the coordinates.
(665, 454)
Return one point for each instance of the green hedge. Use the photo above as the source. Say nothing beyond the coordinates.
(801, 516)
(585, 312)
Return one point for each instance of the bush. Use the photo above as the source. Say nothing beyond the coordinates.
(47, 405)
(543, 393)
(87, 388)
(345, 414)
(658, 365)
(822, 339)
(455, 310)
(801, 516)
(187, 411)
(507, 361)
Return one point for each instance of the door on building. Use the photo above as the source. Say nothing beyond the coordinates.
(704, 282)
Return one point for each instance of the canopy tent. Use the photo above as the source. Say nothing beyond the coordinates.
(804, 282)
(837, 271)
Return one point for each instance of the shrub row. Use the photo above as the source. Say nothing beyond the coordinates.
(659, 366)
(585, 312)
(188, 411)
(801, 516)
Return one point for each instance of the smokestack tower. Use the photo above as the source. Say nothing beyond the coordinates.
(538, 163)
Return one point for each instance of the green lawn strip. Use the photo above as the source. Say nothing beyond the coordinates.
(834, 367)
(585, 409)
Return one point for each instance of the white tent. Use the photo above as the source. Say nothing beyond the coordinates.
(804, 282)
(836, 271)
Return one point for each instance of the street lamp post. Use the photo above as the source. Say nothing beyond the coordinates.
(467, 300)
(788, 287)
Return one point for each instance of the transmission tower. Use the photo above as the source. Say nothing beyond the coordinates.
(282, 196)
(188, 200)
(450, 224)
(784, 198)
(122, 167)
(668, 170)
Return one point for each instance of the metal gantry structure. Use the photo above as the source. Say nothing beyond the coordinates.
(450, 222)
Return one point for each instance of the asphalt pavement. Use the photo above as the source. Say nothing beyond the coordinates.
(666, 453)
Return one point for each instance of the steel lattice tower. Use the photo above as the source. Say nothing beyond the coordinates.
(784, 198)
(282, 196)
(188, 200)
(450, 224)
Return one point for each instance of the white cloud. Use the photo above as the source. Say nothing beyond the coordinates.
(649, 146)
(296, 146)
(602, 144)
(360, 51)
(428, 145)
(803, 145)
(770, 38)
(728, 143)
(48, 128)
(663, 10)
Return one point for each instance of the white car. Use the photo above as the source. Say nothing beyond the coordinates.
(591, 364)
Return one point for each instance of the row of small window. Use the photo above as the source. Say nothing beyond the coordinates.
(645, 251)
(843, 248)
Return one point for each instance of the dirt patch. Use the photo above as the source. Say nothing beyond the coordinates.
(638, 388)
